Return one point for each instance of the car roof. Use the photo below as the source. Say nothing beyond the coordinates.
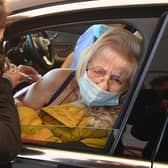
(15, 6)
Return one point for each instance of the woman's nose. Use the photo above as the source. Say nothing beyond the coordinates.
(104, 84)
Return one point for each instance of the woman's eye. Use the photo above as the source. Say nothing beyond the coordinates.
(116, 79)
(101, 73)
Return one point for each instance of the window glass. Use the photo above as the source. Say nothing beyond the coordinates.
(149, 112)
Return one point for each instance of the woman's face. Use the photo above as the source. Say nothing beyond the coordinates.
(109, 71)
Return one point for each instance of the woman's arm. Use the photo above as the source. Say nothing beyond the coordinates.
(10, 140)
(40, 92)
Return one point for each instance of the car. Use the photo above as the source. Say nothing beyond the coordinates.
(42, 34)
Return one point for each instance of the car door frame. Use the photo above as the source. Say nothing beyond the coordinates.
(100, 160)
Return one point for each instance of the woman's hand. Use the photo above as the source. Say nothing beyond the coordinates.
(21, 73)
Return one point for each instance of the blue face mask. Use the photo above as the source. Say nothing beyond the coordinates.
(94, 96)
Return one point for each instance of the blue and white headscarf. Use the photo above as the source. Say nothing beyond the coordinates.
(86, 39)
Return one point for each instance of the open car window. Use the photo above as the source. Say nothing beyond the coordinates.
(46, 50)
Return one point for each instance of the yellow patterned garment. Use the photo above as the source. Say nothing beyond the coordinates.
(32, 128)
(68, 123)
(38, 133)
(95, 142)
(100, 117)
(28, 116)
(68, 114)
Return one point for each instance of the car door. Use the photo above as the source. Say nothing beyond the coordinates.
(145, 134)
(72, 154)
(161, 155)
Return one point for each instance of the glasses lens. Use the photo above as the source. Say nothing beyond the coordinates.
(96, 72)
(99, 73)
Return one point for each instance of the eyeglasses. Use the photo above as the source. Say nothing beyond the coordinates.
(98, 74)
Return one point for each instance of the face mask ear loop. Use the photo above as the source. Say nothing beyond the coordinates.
(79, 97)
(81, 100)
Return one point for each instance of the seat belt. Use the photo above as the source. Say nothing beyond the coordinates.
(62, 87)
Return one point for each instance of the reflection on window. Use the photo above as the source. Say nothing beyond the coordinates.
(149, 113)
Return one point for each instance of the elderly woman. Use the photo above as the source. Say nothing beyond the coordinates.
(103, 75)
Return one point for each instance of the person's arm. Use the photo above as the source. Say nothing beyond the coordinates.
(40, 92)
(10, 140)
